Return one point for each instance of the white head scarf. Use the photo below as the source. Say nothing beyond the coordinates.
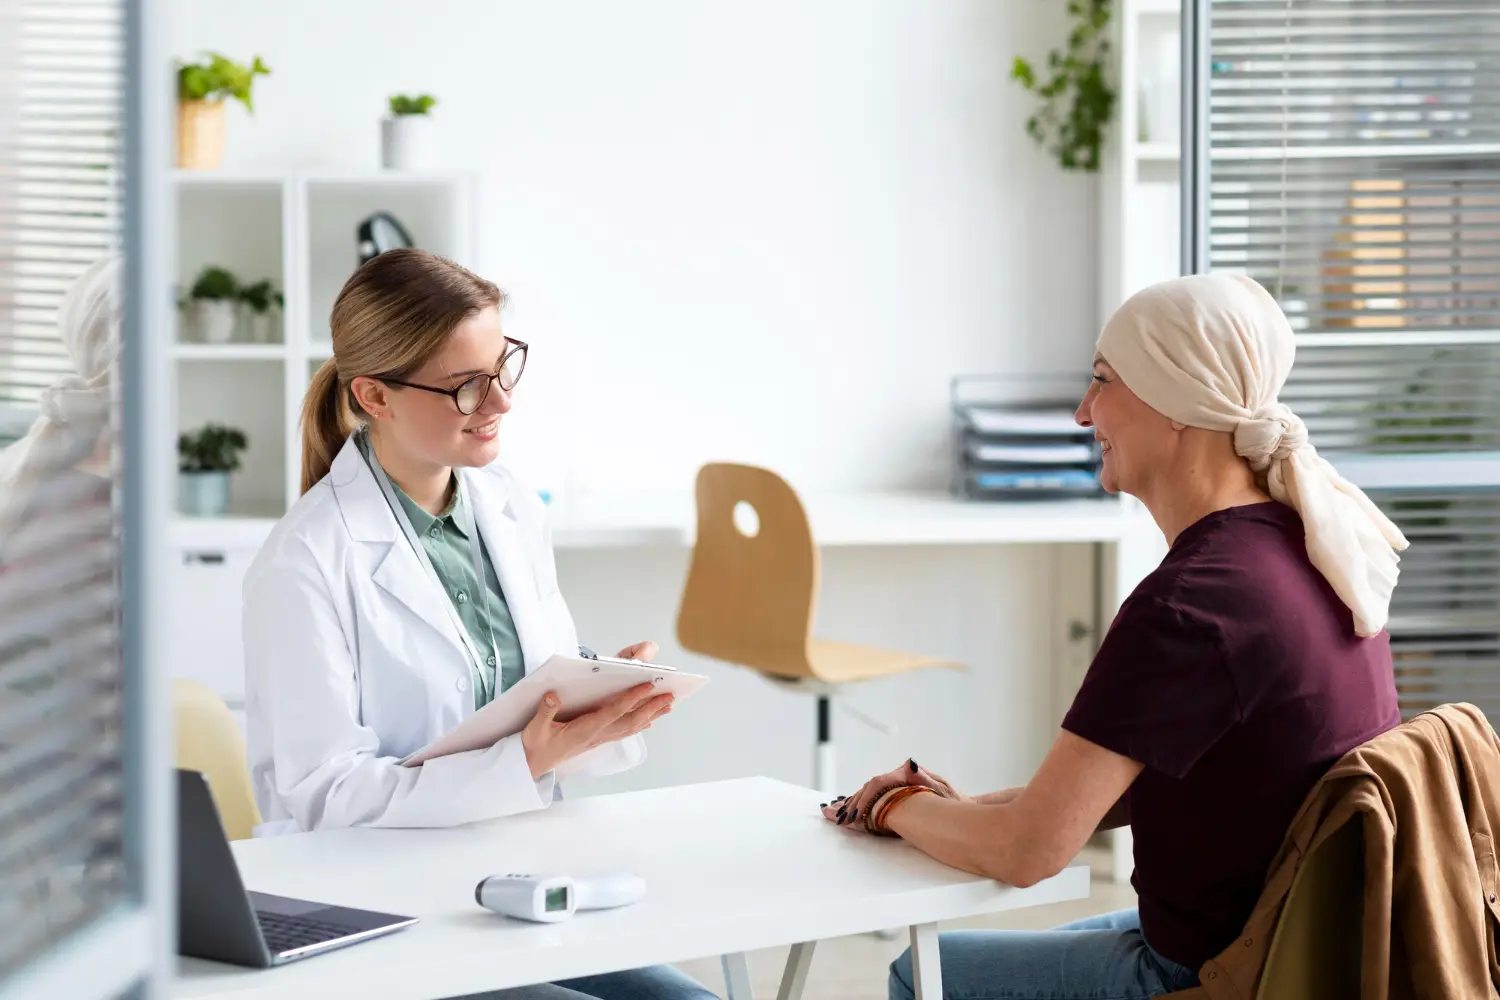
(75, 408)
(1213, 351)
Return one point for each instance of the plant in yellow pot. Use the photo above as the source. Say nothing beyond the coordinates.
(201, 90)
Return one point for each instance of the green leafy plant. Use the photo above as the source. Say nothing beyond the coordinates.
(215, 283)
(260, 297)
(211, 448)
(219, 78)
(405, 104)
(1077, 99)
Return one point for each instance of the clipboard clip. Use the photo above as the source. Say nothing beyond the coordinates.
(585, 653)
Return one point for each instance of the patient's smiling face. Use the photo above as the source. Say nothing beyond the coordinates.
(1137, 442)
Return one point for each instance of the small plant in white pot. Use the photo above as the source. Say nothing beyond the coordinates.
(201, 91)
(406, 134)
(212, 303)
(205, 458)
(263, 303)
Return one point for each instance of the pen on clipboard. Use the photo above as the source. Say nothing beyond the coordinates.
(586, 653)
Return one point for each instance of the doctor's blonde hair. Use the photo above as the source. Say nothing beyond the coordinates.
(393, 314)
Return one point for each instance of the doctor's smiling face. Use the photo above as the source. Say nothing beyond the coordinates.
(475, 369)
(420, 357)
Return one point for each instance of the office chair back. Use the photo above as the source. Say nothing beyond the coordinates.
(749, 598)
(209, 741)
(1316, 949)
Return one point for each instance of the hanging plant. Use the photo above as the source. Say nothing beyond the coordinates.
(1077, 99)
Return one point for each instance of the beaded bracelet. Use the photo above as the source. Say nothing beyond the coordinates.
(875, 815)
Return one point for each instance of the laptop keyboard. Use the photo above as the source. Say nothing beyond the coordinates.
(284, 933)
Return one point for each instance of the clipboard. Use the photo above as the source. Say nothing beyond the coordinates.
(582, 683)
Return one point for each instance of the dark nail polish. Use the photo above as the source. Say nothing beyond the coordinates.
(823, 805)
(913, 765)
(855, 815)
(841, 815)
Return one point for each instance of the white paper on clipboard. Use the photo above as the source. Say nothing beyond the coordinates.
(581, 684)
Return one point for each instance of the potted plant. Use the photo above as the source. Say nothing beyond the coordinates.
(205, 458)
(1078, 99)
(406, 136)
(201, 90)
(211, 304)
(259, 299)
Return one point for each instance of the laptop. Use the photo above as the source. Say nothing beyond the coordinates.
(217, 919)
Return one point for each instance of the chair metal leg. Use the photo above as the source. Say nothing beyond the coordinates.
(825, 776)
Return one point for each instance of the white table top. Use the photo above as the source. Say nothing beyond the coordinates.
(730, 867)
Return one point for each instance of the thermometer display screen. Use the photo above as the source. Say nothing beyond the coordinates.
(557, 899)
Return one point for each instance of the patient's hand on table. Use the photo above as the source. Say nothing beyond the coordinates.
(850, 810)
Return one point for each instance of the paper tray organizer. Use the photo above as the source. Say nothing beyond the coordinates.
(1015, 439)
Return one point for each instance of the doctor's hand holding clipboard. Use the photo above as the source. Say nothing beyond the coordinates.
(413, 583)
(550, 743)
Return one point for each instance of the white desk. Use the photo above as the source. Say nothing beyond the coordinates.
(731, 867)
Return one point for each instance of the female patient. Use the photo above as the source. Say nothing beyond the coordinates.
(1230, 680)
(412, 583)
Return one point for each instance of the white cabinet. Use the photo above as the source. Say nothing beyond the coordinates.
(204, 641)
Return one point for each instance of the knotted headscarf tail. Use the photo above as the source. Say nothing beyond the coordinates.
(75, 409)
(1213, 351)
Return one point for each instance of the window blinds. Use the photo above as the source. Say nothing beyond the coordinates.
(62, 864)
(61, 67)
(1353, 168)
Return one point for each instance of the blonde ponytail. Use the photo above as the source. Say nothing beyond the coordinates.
(392, 315)
(326, 422)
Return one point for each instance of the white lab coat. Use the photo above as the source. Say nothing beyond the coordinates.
(352, 662)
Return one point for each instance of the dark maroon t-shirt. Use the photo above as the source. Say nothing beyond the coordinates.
(1234, 676)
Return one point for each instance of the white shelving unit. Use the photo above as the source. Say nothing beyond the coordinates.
(1140, 210)
(298, 230)
(1139, 183)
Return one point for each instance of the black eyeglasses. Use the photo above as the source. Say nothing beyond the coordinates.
(472, 392)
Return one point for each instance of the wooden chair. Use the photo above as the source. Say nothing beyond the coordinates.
(749, 598)
(209, 741)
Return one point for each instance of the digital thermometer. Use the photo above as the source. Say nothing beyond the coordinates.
(550, 898)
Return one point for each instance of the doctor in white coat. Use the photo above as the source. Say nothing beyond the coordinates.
(412, 583)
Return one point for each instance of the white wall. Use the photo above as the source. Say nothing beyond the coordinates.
(768, 231)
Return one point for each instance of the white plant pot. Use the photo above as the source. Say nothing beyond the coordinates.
(407, 142)
(214, 320)
(260, 328)
(203, 494)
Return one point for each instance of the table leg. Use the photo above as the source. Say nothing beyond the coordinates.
(1122, 854)
(795, 977)
(737, 976)
(926, 968)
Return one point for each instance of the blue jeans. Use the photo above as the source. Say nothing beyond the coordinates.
(660, 982)
(1100, 958)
